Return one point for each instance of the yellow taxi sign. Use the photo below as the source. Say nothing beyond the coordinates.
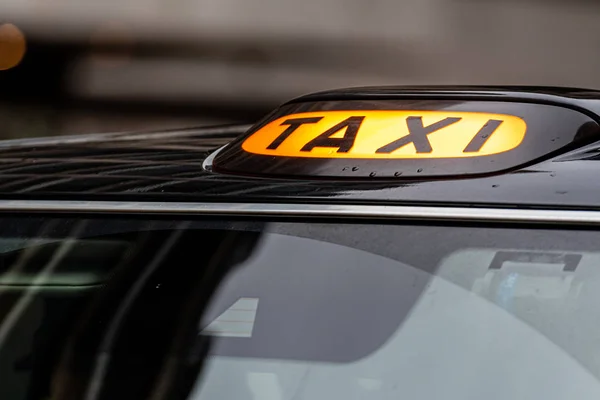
(387, 134)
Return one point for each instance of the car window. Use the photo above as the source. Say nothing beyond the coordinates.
(153, 309)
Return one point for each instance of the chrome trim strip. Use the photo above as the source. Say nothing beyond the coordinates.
(208, 161)
(309, 210)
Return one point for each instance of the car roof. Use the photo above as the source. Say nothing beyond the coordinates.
(167, 166)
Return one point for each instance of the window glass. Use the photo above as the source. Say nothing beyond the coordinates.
(117, 309)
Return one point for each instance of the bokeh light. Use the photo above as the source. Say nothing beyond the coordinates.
(12, 46)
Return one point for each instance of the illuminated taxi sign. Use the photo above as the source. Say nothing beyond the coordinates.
(387, 134)
(405, 134)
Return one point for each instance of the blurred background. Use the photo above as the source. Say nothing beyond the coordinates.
(83, 66)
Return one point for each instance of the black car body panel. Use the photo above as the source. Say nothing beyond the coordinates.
(168, 166)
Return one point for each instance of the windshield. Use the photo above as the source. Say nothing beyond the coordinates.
(206, 310)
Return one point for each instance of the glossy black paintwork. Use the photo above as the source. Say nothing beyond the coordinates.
(167, 166)
(584, 100)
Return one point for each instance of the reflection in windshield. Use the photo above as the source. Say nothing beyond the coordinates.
(243, 310)
(443, 341)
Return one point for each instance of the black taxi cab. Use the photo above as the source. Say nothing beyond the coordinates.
(371, 243)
